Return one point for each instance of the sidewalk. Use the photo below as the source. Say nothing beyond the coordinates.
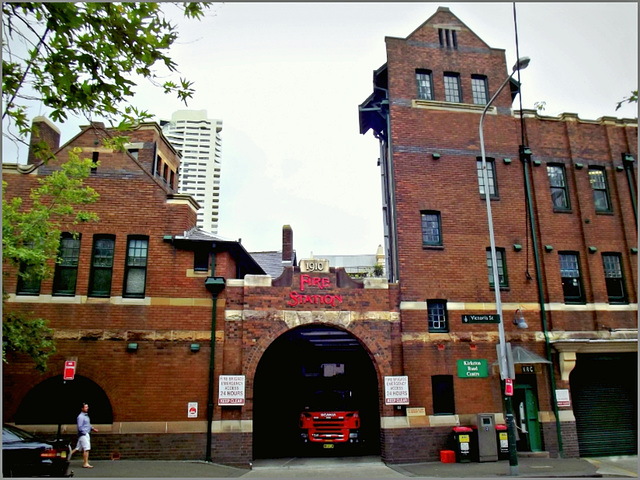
(528, 467)
(362, 467)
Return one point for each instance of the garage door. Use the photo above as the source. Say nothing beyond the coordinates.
(604, 397)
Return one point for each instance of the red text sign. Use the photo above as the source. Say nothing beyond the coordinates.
(321, 283)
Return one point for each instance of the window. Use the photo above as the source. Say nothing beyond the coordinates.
(479, 89)
(135, 268)
(614, 278)
(424, 82)
(200, 259)
(452, 91)
(448, 38)
(558, 185)
(598, 180)
(431, 233)
(491, 175)
(66, 273)
(437, 315)
(28, 281)
(571, 281)
(442, 392)
(502, 267)
(101, 266)
(94, 159)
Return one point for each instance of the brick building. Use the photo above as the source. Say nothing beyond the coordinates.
(132, 303)
(153, 337)
(563, 204)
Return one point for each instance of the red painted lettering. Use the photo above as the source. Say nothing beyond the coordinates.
(304, 280)
(294, 299)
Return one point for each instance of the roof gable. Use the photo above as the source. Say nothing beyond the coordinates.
(443, 19)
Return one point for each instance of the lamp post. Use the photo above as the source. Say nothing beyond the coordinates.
(502, 357)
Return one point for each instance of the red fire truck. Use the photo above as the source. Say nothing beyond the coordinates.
(330, 419)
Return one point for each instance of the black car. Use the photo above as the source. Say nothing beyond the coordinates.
(24, 455)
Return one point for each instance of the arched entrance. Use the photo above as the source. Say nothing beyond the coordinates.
(54, 401)
(296, 370)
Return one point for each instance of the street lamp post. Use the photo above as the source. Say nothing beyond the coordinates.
(502, 357)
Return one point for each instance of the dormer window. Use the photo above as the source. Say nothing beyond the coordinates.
(448, 38)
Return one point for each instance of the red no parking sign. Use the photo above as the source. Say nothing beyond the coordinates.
(69, 370)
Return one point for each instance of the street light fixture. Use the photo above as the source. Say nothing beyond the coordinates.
(502, 357)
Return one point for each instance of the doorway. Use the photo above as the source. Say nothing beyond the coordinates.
(525, 403)
(292, 372)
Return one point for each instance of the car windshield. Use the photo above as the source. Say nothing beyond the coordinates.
(10, 434)
(331, 400)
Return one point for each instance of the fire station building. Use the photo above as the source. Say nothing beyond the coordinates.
(186, 349)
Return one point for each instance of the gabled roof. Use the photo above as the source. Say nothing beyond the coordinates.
(452, 19)
(196, 239)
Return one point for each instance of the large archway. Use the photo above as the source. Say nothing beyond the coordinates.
(291, 373)
(54, 401)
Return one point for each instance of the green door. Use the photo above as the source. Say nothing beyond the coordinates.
(526, 406)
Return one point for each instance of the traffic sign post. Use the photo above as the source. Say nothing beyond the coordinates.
(68, 373)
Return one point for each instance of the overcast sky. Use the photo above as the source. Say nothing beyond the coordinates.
(286, 79)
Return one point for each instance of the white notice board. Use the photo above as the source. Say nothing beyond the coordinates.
(231, 390)
(396, 390)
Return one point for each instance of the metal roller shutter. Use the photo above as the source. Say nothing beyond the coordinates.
(604, 397)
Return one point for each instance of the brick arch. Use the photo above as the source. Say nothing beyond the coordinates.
(53, 401)
(367, 340)
(279, 361)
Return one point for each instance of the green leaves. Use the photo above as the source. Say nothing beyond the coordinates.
(30, 336)
(82, 56)
(31, 236)
(76, 59)
(633, 98)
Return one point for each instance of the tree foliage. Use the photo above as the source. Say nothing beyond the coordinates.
(80, 59)
(31, 238)
(633, 98)
(73, 59)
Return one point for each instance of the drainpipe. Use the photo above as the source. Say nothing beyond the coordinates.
(214, 285)
(525, 157)
(627, 161)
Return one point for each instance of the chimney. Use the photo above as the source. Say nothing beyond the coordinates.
(287, 245)
(47, 132)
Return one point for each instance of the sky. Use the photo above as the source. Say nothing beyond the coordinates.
(286, 80)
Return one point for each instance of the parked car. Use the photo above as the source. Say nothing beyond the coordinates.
(25, 455)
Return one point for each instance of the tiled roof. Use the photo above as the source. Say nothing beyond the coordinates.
(271, 262)
(197, 233)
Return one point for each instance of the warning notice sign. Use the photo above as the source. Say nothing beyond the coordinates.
(396, 390)
(231, 390)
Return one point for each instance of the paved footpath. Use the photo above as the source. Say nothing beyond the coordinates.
(362, 467)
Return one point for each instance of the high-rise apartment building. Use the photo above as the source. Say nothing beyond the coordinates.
(197, 138)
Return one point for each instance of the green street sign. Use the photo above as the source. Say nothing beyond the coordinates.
(473, 368)
(480, 318)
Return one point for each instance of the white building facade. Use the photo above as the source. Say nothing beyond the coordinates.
(198, 139)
